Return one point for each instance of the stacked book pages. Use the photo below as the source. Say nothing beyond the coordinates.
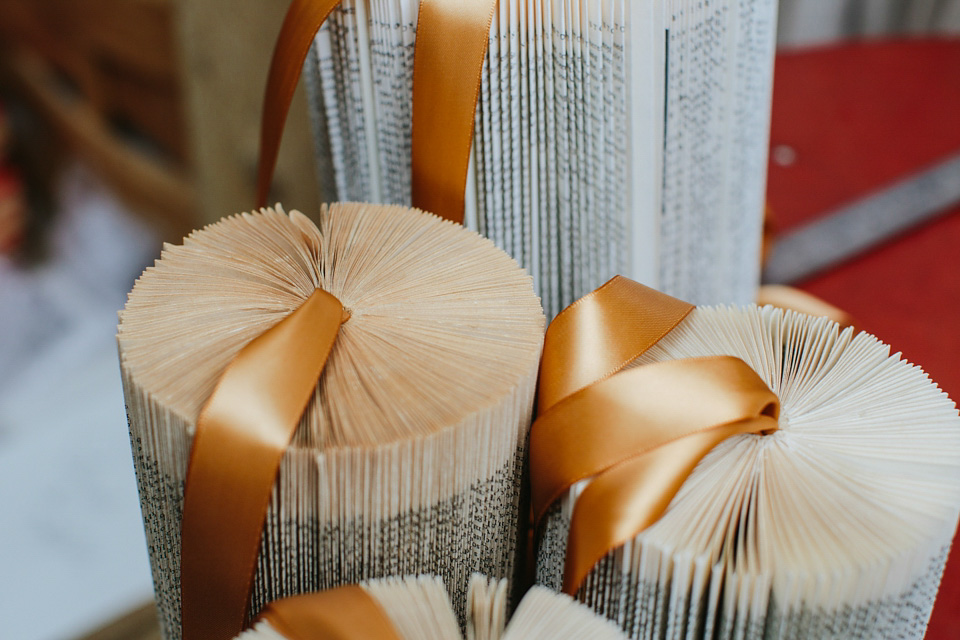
(419, 609)
(611, 136)
(408, 458)
(836, 525)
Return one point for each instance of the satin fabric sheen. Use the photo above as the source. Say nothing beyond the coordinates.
(303, 20)
(450, 47)
(242, 433)
(345, 613)
(451, 44)
(601, 333)
(638, 434)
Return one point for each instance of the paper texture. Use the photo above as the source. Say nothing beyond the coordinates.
(409, 458)
(611, 137)
(420, 609)
(836, 526)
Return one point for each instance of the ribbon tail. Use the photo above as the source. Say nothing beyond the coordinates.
(304, 18)
(241, 436)
(451, 45)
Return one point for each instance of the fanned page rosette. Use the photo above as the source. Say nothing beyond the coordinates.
(835, 526)
(610, 136)
(419, 608)
(409, 456)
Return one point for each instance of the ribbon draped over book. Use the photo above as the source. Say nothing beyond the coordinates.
(242, 433)
(449, 54)
(301, 383)
(637, 433)
(256, 408)
(448, 58)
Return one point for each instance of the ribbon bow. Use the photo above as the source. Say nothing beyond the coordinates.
(637, 433)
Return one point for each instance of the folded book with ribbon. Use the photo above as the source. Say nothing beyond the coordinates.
(609, 136)
(312, 406)
(418, 608)
(725, 472)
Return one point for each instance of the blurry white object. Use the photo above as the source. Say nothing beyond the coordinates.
(96, 249)
(72, 548)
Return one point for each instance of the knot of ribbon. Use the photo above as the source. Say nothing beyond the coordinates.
(636, 434)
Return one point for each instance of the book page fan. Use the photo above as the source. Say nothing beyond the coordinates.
(418, 608)
(408, 455)
(823, 508)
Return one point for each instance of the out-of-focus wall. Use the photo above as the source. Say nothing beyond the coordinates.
(226, 47)
(812, 22)
(162, 98)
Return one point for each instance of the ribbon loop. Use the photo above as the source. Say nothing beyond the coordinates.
(241, 436)
(304, 18)
(451, 45)
(636, 435)
(636, 411)
(601, 333)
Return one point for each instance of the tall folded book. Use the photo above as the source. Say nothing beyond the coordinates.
(418, 608)
(610, 136)
(409, 454)
(834, 521)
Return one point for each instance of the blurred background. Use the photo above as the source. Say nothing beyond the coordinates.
(127, 123)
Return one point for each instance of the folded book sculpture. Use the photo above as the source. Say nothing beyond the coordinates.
(826, 509)
(408, 455)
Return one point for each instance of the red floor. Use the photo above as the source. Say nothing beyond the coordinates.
(857, 117)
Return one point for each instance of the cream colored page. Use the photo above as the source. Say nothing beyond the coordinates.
(836, 526)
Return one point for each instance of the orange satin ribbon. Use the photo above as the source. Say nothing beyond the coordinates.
(449, 51)
(601, 333)
(345, 613)
(247, 424)
(304, 18)
(242, 433)
(770, 234)
(638, 434)
(452, 37)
